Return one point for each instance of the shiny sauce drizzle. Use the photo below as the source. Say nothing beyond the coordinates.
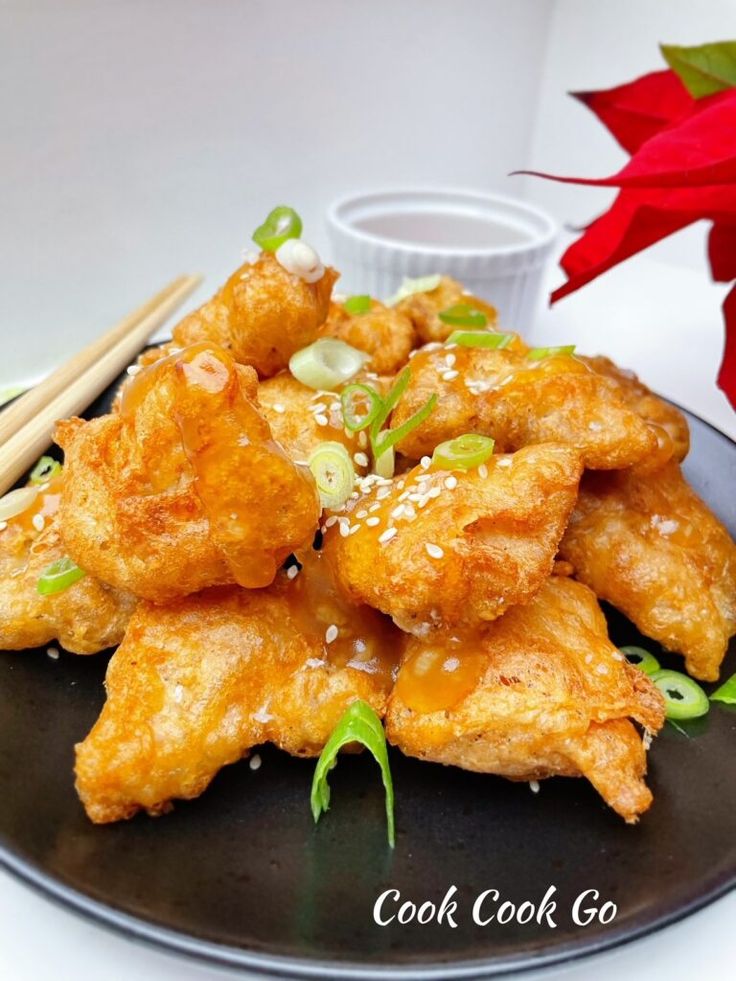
(44, 507)
(440, 672)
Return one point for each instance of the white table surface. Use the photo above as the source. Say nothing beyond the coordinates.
(664, 322)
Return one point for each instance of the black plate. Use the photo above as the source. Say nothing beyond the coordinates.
(242, 876)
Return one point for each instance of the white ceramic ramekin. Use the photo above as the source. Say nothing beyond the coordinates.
(496, 246)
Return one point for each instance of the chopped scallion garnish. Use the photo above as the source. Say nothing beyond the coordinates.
(726, 693)
(17, 501)
(480, 338)
(45, 469)
(422, 284)
(463, 315)
(327, 363)
(58, 576)
(640, 658)
(464, 452)
(333, 472)
(358, 304)
(281, 224)
(538, 353)
(361, 404)
(359, 724)
(385, 464)
(390, 437)
(683, 697)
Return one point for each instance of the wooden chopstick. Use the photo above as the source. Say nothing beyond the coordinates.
(26, 426)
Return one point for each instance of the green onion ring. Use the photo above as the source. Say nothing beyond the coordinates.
(358, 304)
(640, 658)
(480, 338)
(463, 315)
(539, 353)
(353, 394)
(464, 452)
(389, 403)
(683, 697)
(58, 576)
(385, 464)
(326, 364)
(333, 472)
(45, 469)
(281, 224)
(422, 284)
(390, 437)
(726, 693)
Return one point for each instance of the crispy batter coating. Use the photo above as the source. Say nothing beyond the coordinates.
(184, 488)
(197, 683)
(650, 546)
(301, 418)
(263, 314)
(383, 332)
(423, 309)
(540, 692)
(85, 618)
(456, 548)
(671, 425)
(517, 402)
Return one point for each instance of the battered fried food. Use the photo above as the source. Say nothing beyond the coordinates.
(263, 314)
(436, 547)
(647, 544)
(671, 425)
(85, 618)
(184, 488)
(196, 684)
(382, 332)
(540, 692)
(423, 309)
(500, 393)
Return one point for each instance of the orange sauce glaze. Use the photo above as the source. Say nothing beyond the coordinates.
(46, 505)
(441, 673)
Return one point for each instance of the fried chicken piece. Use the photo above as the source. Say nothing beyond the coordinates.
(650, 546)
(423, 309)
(184, 488)
(382, 332)
(456, 548)
(670, 424)
(86, 617)
(500, 393)
(263, 314)
(197, 683)
(301, 418)
(540, 692)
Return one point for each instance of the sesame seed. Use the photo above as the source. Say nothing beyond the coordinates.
(483, 471)
(361, 514)
(434, 492)
(534, 786)
(450, 360)
(355, 528)
(387, 535)
(398, 511)
(361, 459)
(425, 462)
(278, 407)
(362, 439)
(255, 762)
(344, 529)
(53, 653)
(448, 376)
(331, 633)
(434, 551)
(318, 407)
(505, 461)
(372, 522)
(133, 369)
(321, 419)
(292, 572)
(38, 521)
(382, 493)
(233, 516)
(332, 520)
(451, 482)
(409, 512)
(375, 507)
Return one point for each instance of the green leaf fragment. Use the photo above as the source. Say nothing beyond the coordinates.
(703, 68)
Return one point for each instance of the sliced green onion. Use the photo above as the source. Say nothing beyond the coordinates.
(422, 284)
(58, 576)
(16, 502)
(358, 304)
(389, 402)
(464, 452)
(351, 398)
(463, 315)
(726, 693)
(359, 724)
(327, 363)
(281, 224)
(45, 469)
(640, 658)
(538, 353)
(385, 464)
(683, 697)
(334, 473)
(390, 437)
(480, 338)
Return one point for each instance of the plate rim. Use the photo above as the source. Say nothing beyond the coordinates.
(176, 942)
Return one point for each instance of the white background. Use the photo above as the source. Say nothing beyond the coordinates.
(144, 139)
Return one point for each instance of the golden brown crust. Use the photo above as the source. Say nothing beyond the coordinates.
(647, 544)
(382, 332)
(423, 309)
